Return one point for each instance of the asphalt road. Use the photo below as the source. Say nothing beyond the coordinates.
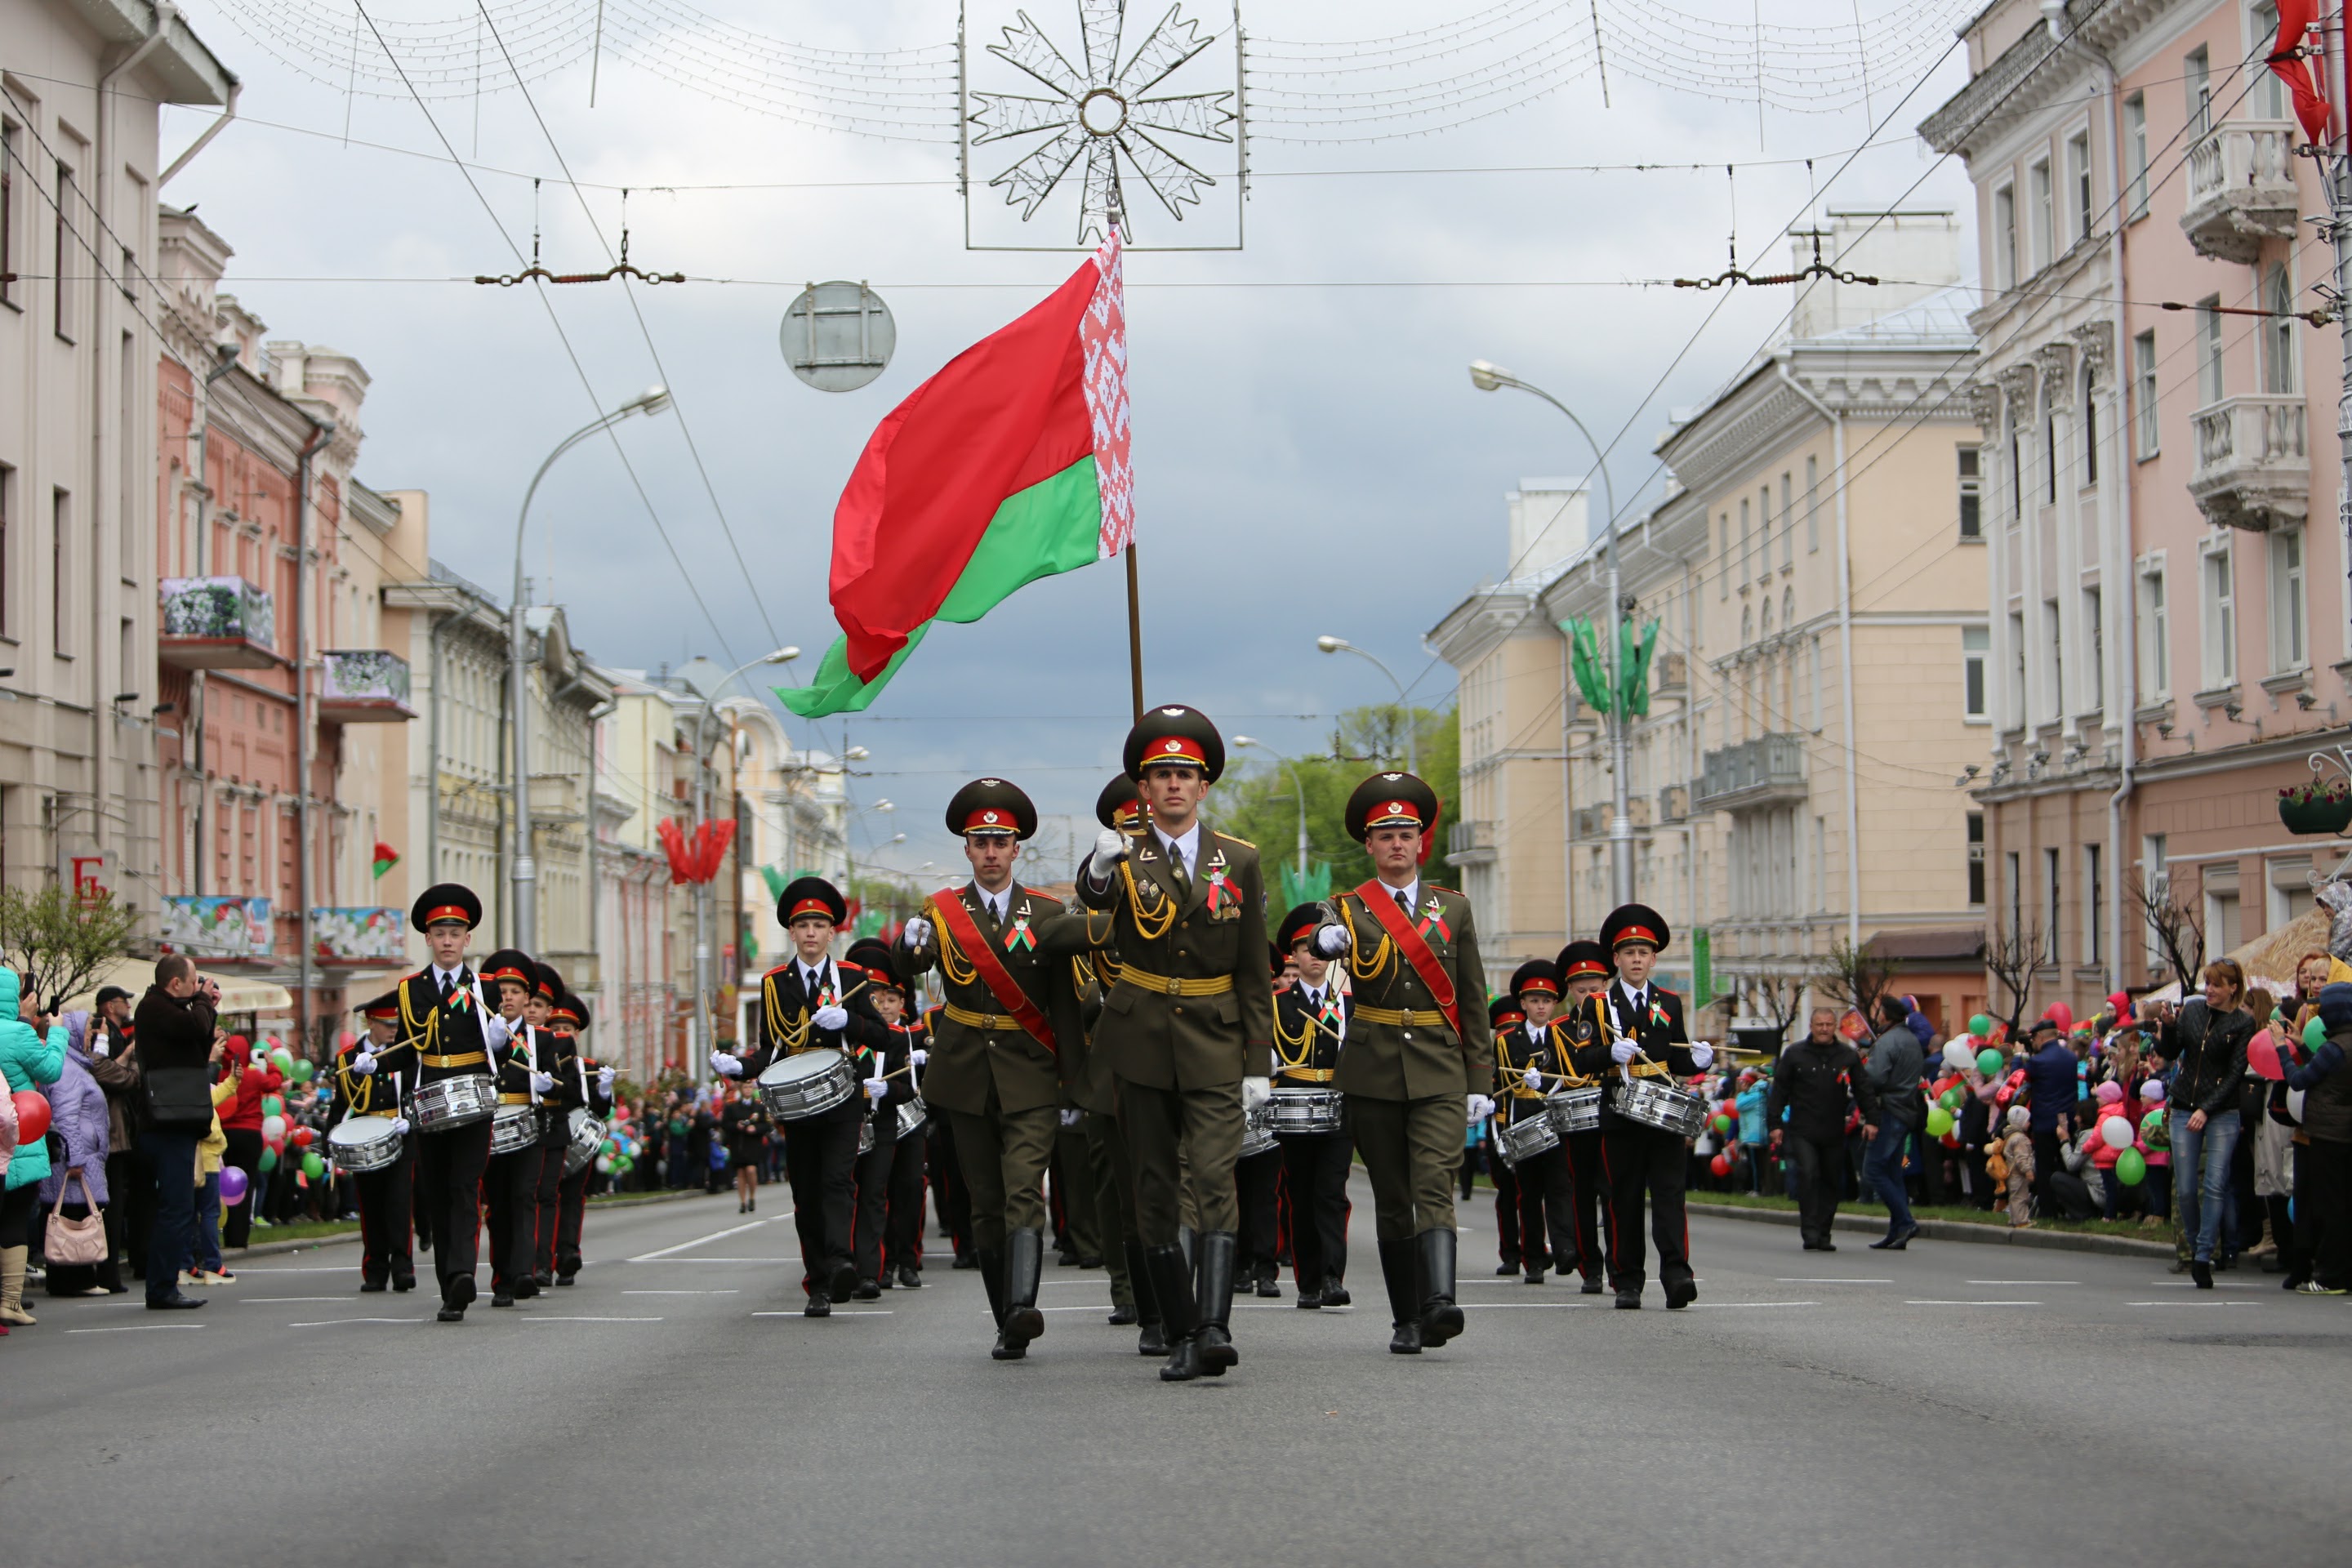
(1950, 1403)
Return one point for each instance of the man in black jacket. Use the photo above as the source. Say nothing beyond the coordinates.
(176, 1030)
(1817, 1082)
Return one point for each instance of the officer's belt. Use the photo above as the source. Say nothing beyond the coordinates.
(387, 1115)
(1398, 1017)
(514, 1099)
(972, 1020)
(1172, 986)
(471, 1059)
(1308, 1074)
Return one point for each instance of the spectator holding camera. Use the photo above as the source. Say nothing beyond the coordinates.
(175, 1028)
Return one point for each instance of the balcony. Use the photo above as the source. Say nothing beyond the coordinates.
(1754, 772)
(358, 937)
(215, 623)
(1673, 672)
(214, 927)
(1674, 803)
(363, 685)
(2242, 189)
(2253, 465)
(1470, 843)
(1592, 821)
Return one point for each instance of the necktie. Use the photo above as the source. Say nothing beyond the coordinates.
(1404, 903)
(449, 984)
(1176, 864)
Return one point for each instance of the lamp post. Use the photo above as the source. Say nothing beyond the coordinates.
(1297, 787)
(652, 400)
(703, 979)
(1412, 748)
(1488, 377)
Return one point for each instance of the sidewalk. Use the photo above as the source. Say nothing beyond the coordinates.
(1957, 1230)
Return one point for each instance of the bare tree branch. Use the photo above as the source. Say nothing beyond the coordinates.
(2012, 956)
(1857, 977)
(2177, 924)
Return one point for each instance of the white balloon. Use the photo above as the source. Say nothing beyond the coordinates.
(1959, 1053)
(2117, 1131)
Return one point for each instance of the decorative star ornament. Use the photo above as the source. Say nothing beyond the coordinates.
(1103, 112)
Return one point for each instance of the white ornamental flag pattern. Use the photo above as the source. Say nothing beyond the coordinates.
(1102, 335)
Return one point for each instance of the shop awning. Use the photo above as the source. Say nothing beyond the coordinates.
(239, 993)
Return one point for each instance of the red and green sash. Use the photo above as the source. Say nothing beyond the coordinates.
(1379, 899)
(948, 906)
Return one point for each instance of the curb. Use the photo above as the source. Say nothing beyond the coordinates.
(1957, 1230)
(595, 1205)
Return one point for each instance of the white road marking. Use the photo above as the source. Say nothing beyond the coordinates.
(698, 1241)
(2216, 1285)
(1514, 1305)
(679, 1292)
(1724, 1306)
(714, 1259)
(1841, 1279)
(245, 1268)
(867, 1312)
(331, 1322)
(1972, 1304)
(535, 1319)
(134, 1328)
(2192, 1303)
(266, 1300)
(2024, 1281)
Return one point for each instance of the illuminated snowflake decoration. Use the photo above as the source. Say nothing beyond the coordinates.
(1103, 112)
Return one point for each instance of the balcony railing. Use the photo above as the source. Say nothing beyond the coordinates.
(2253, 465)
(1768, 768)
(1592, 821)
(215, 623)
(209, 926)
(2242, 189)
(1673, 672)
(358, 936)
(363, 685)
(1674, 803)
(1467, 842)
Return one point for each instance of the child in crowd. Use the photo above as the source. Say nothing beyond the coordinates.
(2017, 1149)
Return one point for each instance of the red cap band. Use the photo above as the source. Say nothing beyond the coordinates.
(1175, 749)
(1587, 966)
(991, 819)
(1636, 934)
(448, 913)
(1542, 983)
(809, 907)
(1394, 814)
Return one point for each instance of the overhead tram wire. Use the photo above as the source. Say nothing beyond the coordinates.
(628, 290)
(580, 369)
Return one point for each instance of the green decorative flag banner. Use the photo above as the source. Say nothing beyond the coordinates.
(775, 879)
(1311, 886)
(1634, 658)
(1593, 673)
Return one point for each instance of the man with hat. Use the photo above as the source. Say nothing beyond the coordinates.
(1503, 1013)
(813, 1002)
(1002, 953)
(1530, 1059)
(453, 1028)
(1582, 1232)
(556, 1054)
(1188, 1027)
(1638, 1033)
(510, 1179)
(386, 1195)
(585, 1086)
(1310, 1031)
(1419, 1057)
(871, 1175)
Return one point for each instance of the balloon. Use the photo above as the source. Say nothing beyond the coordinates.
(2263, 1058)
(1957, 1056)
(2004, 1097)
(273, 1128)
(2117, 1131)
(2061, 1013)
(268, 1161)
(612, 1147)
(2152, 1091)
(313, 1166)
(1951, 1139)
(271, 1105)
(2131, 1167)
(1723, 1124)
(233, 1184)
(1720, 1164)
(1950, 1100)
(300, 1137)
(1979, 1023)
(2315, 1034)
(282, 1059)
(1939, 1122)
(1988, 1061)
(603, 1163)
(32, 1118)
(346, 1040)
(2152, 1124)
(303, 1072)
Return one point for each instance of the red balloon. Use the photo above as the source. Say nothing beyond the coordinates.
(1951, 1139)
(300, 1137)
(32, 1118)
(1720, 1164)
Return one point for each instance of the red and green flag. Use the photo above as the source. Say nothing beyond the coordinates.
(1009, 465)
(387, 857)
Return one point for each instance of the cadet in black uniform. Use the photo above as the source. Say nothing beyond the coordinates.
(367, 1086)
(1503, 1013)
(813, 1002)
(1310, 1029)
(902, 1226)
(1640, 1034)
(589, 1088)
(1528, 1061)
(870, 1206)
(1579, 1234)
(510, 1181)
(1257, 1183)
(554, 1054)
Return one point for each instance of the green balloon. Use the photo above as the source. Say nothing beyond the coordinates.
(269, 1160)
(1723, 1124)
(1952, 1098)
(611, 1147)
(2314, 1035)
(1988, 1061)
(1980, 1023)
(2131, 1167)
(313, 1166)
(302, 1071)
(2152, 1123)
(282, 1059)
(271, 1105)
(1939, 1122)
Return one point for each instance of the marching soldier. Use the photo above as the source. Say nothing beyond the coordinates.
(510, 1181)
(871, 1208)
(1418, 1053)
(1638, 1034)
(1529, 1060)
(813, 1002)
(589, 1088)
(555, 1056)
(1188, 1029)
(902, 1225)
(453, 1029)
(1311, 1030)
(371, 1082)
(1582, 1232)
(1001, 950)
(1503, 1013)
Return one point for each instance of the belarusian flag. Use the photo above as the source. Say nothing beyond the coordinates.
(1009, 465)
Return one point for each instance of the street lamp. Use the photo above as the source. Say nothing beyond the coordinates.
(1411, 749)
(1297, 787)
(1488, 376)
(652, 400)
(703, 979)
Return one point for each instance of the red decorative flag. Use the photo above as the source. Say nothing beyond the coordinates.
(387, 857)
(2296, 17)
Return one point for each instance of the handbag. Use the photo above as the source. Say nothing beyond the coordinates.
(75, 1242)
(178, 1099)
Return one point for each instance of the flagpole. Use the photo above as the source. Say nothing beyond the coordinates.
(1134, 633)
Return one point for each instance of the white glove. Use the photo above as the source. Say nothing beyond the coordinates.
(1623, 1051)
(1533, 1078)
(1070, 1117)
(1110, 848)
(726, 1065)
(1702, 1055)
(1481, 1108)
(919, 931)
(1256, 1091)
(604, 1080)
(364, 1063)
(876, 1088)
(400, 1126)
(1331, 941)
(918, 1056)
(832, 1015)
(540, 1082)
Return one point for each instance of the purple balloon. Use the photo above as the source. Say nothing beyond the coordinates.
(232, 1184)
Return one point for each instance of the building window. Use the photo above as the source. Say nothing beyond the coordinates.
(2090, 429)
(2049, 456)
(7, 213)
(2078, 183)
(1746, 543)
(2219, 620)
(2197, 77)
(1971, 493)
(2094, 899)
(1723, 578)
(2144, 389)
(2040, 215)
(2004, 237)
(2270, 92)
(7, 510)
(2278, 328)
(60, 567)
(2288, 649)
(2016, 890)
(1976, 859)
(1813, 663)
(2051, 892)
(2017, 671)
(1747, 625)
(2016, 476)
(1976, 647)
(2135, 152)
(2208, 350)
(2155, 649)
(2054, 633)
(61, 290)
(1812, 505)
(2095, 632)
(1788, 528)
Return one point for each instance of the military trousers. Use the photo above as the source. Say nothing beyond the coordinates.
(1183, 1141)
(1003, 1155)
(1411, 1149)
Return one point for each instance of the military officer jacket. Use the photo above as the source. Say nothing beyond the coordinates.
(977, 1044)
(1400, 1044)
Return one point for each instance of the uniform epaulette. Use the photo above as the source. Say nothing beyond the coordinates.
(788, 963)
(1232, 839)
(852, 968)
(1664, 990)
(1441, 888)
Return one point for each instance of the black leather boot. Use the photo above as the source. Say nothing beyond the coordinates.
(1441, 1319)
(1180, 1316)
(1335, 1292)
(991, 1279)
(1215, 1338)
(1149, 1339)
(1401, 1273)
(1025, 1255)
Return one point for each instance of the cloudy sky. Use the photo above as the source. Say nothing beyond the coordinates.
(1310, 455)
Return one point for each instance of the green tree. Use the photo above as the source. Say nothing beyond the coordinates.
(1257, 801)
(56, 944)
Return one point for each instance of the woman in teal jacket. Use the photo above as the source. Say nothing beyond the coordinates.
(27, 1061)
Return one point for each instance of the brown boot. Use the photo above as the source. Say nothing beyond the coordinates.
(12, 1287)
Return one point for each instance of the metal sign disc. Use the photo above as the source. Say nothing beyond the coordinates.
(838, 336)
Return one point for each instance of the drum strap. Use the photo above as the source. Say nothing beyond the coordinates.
(949, 914)
(1378, 902)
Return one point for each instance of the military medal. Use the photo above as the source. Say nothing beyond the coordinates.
(1019, 936)
(1435, 915)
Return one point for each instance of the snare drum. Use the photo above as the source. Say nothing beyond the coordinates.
(866, 1136)
(912, 1114)
(586, 1140)
(809, 1084)
(514, 1128)
(1668, 1107)
(1300, 1112)
(453, 1102)
(1257, 1131)
(1574, 1110)
(358, 1144)
(1523, 1138)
